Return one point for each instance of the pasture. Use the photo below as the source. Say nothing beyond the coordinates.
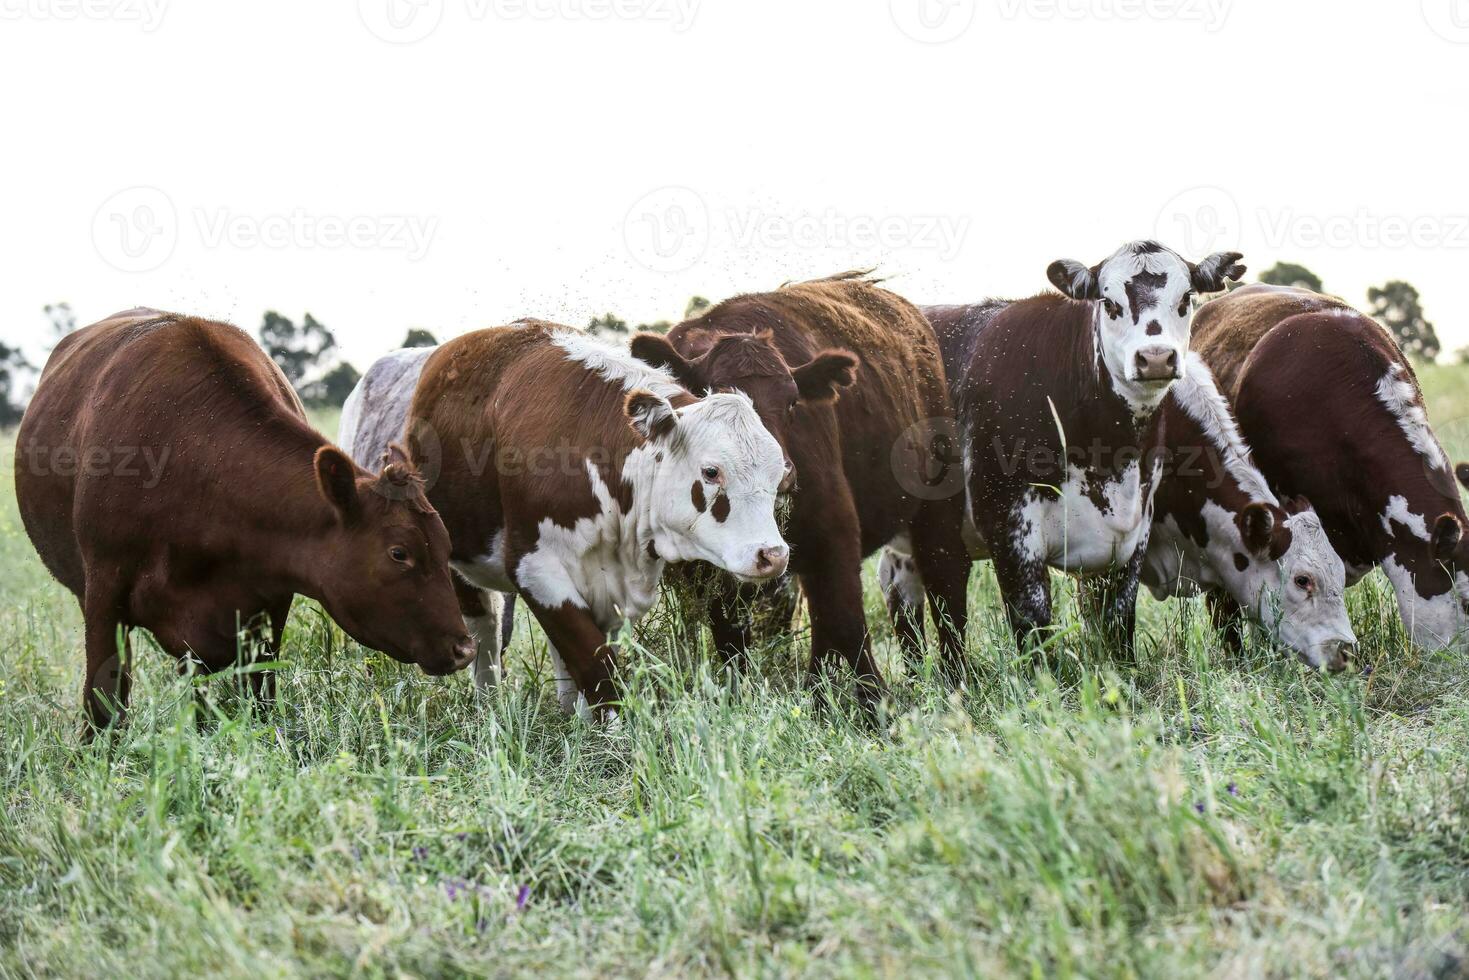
(1192, 814)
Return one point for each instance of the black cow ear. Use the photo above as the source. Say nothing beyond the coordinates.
(336, 477)
(651, 415)
(1257, 527)
(1210, 275)
(1463, 473)
(819, 379)
(657, 350)
(1074, 279)
(1447, 532)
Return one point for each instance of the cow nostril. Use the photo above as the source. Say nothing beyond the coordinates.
(767, 559)
(463, 648)
(1141, 361)
(1173, 361)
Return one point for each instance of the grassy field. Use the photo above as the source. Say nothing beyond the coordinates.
(1194, 815)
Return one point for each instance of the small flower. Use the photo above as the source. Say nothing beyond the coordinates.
(1198, 807)
(420, 853)
(1232, 789)
(522, 898)
(461, 837)
(1366, 670)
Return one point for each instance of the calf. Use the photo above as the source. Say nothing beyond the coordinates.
(572, 473)
(860, 465)
(168, 477)
(1218, 529)
(1057, 399)
(1333, 411)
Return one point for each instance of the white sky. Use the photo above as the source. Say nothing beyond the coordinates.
(530, 146)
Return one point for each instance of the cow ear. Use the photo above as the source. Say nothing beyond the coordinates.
(655, 349)
(1074, 279)
(1463, 474)
(1447, 532)
(336, 477)
(1210, 275)
(1296, 505)
(394, 454)
(1257, 527)
(651, 415)
(819, 379)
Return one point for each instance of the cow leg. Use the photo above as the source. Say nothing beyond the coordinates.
(262, 682)
(944, 565)
(481, 617)
(1110, 606)
(1025, 587)
(109, 657)
(833, 586)
(581, 652)
(902, 587)
(1228, 619)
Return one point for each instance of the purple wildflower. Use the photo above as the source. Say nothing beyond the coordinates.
(461, 837)
(522, 898)
(1366, 670)
(1232, 789)
(1199, 807)
(420, 853)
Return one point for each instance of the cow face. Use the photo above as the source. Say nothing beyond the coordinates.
(1296, 582)
(749, 363)
(383, 569)
(1143, 298)
(710, 473)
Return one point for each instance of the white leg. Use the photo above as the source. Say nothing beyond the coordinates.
(486, 632)
(897, 575)
(571, 699)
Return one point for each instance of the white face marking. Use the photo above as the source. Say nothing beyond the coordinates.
(1075, 534)
(1145, 312)
(1398, 513)
(1400, 396)
(1311, 620)
(616, 364)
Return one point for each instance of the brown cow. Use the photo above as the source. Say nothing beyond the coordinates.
(1333, 411)
(167, 475)
(1058, 399)
(572, 473)
(862, 464)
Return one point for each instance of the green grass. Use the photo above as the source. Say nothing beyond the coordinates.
(1196, 815)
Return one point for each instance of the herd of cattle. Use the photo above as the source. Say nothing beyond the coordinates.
(1266, 448)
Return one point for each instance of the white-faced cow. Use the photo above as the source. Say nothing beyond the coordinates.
(1333, 411)
(1219, 530)
(168, 477)
(571, 473)
(1057, 399)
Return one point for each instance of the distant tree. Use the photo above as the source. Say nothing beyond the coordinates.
(12, 363)
(607, 323)
(63, 320)
(331, 389)
(697, 305)
(297, 350)
(419, 337)
(1396, 306)
(1290, 274)
(611, 323)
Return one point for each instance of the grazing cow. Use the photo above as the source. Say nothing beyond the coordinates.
(571, 473)
(1332, 410)
(168, 477)
(1218, 529)
(858, 463)
(1058, 399)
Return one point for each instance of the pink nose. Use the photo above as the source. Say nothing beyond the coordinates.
(463, 651)
(1157, 364)
(770, 562)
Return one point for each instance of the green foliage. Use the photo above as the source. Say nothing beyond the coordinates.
(298, 351)
(12, 362)
(1291, 274)
(332, 388)
(419, 337)
(607, 323)
(1397, 307)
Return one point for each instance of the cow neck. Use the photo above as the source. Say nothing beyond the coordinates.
(637, 527)
(1099, 410)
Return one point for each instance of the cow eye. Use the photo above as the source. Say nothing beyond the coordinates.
(1303, 582)
(710, 474)
(399, 554)
(1114, 310)
(1184, 303)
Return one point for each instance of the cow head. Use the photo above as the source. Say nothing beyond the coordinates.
(382, 569)
(750, 363)
(710, 472)
(1294, 580)
(1143, 299)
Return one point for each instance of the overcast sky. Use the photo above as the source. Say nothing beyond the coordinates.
(453, 164)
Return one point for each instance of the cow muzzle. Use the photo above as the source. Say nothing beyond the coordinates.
(1333, 656)
(1157, 364)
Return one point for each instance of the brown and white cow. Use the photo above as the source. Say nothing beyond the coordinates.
(572, 473)
(167, 475)
(1219, 530)
(859, 461)
(1333, 411)
(1057, 400)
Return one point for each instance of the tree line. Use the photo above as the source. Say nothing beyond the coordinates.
(308, 356)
